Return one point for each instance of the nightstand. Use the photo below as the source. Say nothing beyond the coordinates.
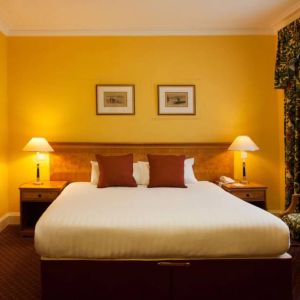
(34, 199)
(253, 193)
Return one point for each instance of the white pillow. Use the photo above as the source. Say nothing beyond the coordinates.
(144, 172)
(189, 176)
(137, 173)
(95, 172)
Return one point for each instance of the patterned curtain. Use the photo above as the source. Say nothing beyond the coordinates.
(287, 77)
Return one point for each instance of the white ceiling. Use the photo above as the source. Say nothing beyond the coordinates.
(145, 17)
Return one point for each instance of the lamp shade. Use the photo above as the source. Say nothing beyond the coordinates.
(243, 143)
(38, 144)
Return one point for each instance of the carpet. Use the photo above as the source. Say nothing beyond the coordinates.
(20, 267)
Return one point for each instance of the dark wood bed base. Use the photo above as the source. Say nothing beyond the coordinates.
(207, 279)
(213, 279)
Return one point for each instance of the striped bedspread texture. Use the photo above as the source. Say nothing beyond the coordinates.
(200, 221)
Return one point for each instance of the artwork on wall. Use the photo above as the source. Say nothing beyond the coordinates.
(176, 100)
(115, 99)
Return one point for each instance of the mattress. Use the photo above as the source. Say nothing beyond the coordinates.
(201, 221)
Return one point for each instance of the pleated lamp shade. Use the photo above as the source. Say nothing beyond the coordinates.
(38, 144)
(243, 143)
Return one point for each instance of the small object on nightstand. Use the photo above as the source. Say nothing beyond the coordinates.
(225, 180)
(34, 200)
(253, 193)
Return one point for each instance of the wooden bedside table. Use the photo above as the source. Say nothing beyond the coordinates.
(253, 193)
(34, 199)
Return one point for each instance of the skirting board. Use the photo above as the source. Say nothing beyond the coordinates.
(12, 218)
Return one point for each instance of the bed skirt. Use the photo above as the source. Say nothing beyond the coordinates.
(234, 279)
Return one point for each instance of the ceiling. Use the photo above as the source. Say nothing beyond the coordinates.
(145, 17)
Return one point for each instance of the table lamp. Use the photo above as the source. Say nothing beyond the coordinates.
(243, 143)
(38, 144)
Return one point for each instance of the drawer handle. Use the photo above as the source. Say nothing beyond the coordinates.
(248, 195)
(173, 264)
(40, 195)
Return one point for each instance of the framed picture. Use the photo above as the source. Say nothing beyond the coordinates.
(115, 99)
(176, 100)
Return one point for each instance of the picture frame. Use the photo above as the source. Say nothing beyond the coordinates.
(115, 99)
(176, 99)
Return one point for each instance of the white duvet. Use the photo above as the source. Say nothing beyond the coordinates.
(201, 221)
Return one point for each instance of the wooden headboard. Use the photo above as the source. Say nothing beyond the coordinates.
(71, 161)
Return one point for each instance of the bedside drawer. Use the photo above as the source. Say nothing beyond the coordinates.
(39, 195)
(250, 195)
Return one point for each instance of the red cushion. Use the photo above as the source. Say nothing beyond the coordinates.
(115, 171)
(166, 170)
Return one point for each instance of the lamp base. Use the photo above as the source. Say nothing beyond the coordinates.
(38, 183)
(244, 181)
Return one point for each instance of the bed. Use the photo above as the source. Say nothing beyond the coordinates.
(162, 243)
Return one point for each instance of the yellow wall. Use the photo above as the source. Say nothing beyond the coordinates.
(3, 126)
(51, 82)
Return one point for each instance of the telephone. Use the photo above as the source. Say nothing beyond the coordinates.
(225, 179)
